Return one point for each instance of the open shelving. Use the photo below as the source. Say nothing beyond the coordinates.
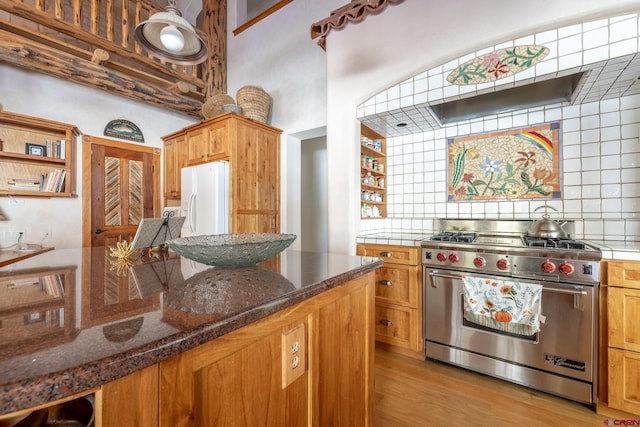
(373, 174)
(37, 157)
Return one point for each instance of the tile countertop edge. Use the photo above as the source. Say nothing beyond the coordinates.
(24, 394)
(611, 249)
(400, 239)
(618, 250)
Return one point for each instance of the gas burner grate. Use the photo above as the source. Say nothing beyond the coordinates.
(553, 243)
(454, 236)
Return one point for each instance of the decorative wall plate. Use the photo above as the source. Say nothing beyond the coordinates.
(123, 129)
(497, 65)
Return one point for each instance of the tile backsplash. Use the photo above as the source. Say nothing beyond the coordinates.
(600, 147)
(600, 159)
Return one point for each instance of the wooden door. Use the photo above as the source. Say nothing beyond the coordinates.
(120, 187)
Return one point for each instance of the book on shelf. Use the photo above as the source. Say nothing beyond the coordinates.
(24, 184)
(53, 181)
(56, 148)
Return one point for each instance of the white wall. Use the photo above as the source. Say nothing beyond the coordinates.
(314, 195)
(39, 95)
(405, 39)
(278, 54)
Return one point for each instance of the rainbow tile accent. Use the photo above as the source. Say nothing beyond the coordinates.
(497, 65)
(513, 164)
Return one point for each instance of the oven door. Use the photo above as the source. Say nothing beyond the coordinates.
(564, 345)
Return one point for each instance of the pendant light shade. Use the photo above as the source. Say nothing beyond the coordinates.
(167, 35)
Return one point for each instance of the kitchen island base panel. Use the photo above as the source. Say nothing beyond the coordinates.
(241, 372)
(532, 378)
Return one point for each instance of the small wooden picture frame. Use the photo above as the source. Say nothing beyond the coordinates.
(36, 149)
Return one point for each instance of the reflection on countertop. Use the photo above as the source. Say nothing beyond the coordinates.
(12, 255)
(74, 319)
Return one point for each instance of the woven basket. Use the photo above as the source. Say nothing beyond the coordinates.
(213, 105)
(255, 103)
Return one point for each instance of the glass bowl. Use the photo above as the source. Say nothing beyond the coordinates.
(231, 250)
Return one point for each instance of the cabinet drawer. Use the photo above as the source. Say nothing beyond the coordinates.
(624, 274)
(623, 312)
(624, 380)
(408, 255)
(397, 325)
(398, 284)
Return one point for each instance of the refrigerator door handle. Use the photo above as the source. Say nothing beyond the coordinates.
(192, 214)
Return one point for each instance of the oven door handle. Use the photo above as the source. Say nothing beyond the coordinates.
(444, 276)
(577, 292)
(435, 273)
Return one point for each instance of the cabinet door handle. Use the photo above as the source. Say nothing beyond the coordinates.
(386, 282)
(386, 254)
(99, 231)
(386, 322)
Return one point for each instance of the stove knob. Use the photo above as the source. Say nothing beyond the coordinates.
(479, 262)
(502, 264)
(548, 267)
(441, 257)
(566, 268)
(454, 258)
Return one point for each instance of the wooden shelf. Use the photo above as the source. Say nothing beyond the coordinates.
(372, 187)
(27, 158)
(380, 159)
(16, 131)
(366, 149)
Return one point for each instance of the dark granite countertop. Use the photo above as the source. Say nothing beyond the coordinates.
(75, 319)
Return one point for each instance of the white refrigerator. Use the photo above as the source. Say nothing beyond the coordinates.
(205, 199)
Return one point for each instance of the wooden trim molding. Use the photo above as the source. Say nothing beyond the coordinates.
(91, 42)
(260, 17)
(354, 12)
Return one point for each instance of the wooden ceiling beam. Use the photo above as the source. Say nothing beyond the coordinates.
(34, 56)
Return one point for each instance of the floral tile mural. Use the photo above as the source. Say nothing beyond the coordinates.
(497, 65)
(513, 164)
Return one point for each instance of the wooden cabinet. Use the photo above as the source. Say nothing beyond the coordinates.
(623, 313)
(237, 379)
(398, 314)
(253, 152)
(175, 158)
(131, 400)
(373, 176)
(37, 157)
(208, 143)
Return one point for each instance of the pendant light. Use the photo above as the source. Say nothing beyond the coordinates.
(168, 36)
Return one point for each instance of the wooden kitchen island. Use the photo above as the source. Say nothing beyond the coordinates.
(169, 342)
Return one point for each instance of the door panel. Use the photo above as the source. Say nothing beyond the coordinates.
(123, 190)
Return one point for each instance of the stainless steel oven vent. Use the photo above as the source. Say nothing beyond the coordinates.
(546, 92)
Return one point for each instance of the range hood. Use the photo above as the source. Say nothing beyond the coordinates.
(546, 92)
(613, 78)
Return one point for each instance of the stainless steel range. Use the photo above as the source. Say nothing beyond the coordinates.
(560, 357)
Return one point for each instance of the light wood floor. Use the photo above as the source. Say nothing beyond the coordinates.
(416, 393)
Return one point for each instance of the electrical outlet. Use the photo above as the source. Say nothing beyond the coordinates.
(294, 354)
